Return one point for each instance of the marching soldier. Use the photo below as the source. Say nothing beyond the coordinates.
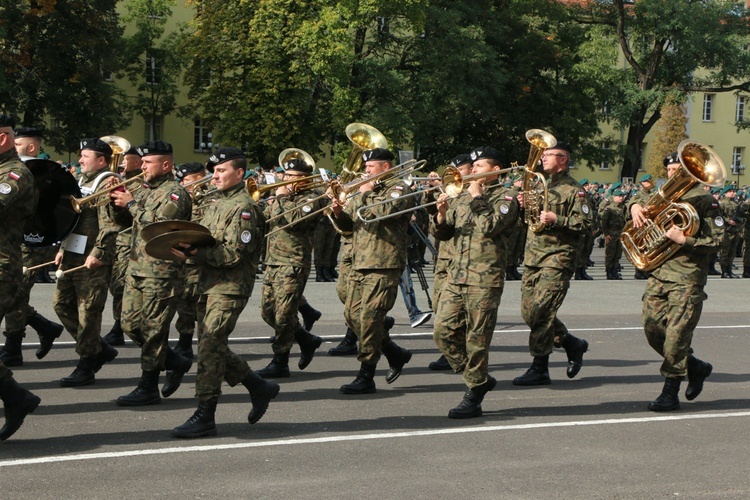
(612, 223)
(729, 208)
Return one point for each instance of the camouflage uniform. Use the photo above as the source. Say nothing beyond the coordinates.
(345, 268)
(674, 295)
(372, 285)
(152, 285)
(18, 199)
(80, 296)
(731, 240)
(467, 310)
(745, 213)
(226, 282)
(612, 223)
(549, 260)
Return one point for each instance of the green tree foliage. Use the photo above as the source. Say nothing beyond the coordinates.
(54, 58)
(670, 48)
(670, 131)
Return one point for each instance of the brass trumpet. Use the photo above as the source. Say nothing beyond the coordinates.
(257, 191)
(101, 198)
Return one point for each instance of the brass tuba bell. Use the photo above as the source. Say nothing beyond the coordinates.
(294, 153)
(535, 196)
(119, 145)
(363, 137)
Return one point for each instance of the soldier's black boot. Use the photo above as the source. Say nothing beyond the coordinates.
(332, 271)
(82, 375)
(115, 336)
(309, 315)
(184, 346)
(277, 368)
(537, 374)
(202, 422)
(107, 354)
(584, 275)
(308, 344)
(177, 366)
(327, 276)
(397, 357)
(746, 271)
(509, 275)
(319, 278)
(364, 383)
(388, 323)
(146, 393)
(668, 399)
(440, 364)
(610, 274)
(575, 348)
(730, 272)
(347, 347)
(10, 353)
(725, 272)
(712, 269)
(18, 403)
(261, 393)
(640, 275)
(471, 405)
(47, 330)
(698, 371)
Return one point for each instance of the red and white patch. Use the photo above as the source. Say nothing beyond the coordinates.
(14, 176)
(174, 196)
(247, 215)
(581, 194)
(508, 198)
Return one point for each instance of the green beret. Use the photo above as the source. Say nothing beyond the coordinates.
(583, 182)
(646, 177)
(618, 192)
(728, 188)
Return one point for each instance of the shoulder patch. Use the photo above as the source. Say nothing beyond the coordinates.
(581, 194)
(307, 209)
(5, 188)
(508, 198)
(247, 215)
(714, 205)
(395, 194)
(246, 236)
(719, 221)
(504, 209)
(14, 176)
(585, 209)
(174, 196)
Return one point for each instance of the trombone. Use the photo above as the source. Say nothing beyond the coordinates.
(257, 191)
(452, 184)
(101, 198)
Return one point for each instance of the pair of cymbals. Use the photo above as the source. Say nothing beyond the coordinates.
(162, 236)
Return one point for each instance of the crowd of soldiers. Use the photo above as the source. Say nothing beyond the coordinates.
(486, 229)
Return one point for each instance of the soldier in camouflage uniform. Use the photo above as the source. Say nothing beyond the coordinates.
(745, 214)
(612, 223)
(641, 197)
(153, 285)
(226, 282)
(132, 167)
(673, 300)
(549, 264)
(380, 258)
(478, 223)
(728, 250)
(80, 296)
(517, 238)
(18, 199)
(288, 262)
(324, 240)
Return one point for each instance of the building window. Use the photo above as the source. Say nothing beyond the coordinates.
(604, 164)
(202, 137)
(158, 127)
(737, 153)
(739, 113)
(153, 68)
(708, 107)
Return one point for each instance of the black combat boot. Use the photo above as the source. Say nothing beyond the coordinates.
(115, 336)
(10, 353)
(364, 383)
(440, 364)
(575, 348)
(725, 272)
(471, 405)
(610, 273)
(277, 368)
(107, 354)
(319, 278)
(509, 274)
(730, 272)
(333, 273)
(397, 357)
(640, 275)
(537, 374)
(347, 347)
(82, 375)
(667, 400)
(261, 393)
(698, 371)
(202, 422)
(584, 275)
(308, 344)
(18, 403)
(146, 393)
(712, 269)
(388, 323)
(746, 271)
(327, 276)
(309, 315)
(47, 330)
(184, 346)
(177, 366)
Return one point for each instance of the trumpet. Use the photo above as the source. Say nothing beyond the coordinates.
(101, 198)
(198, 189)
(257, 191)
(452, 184)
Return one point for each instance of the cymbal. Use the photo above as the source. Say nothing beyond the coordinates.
(166, 226)
(158, 247)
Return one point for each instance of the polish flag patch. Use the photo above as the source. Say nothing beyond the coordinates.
(508, 198)
(174, 196)
(14, 176)
(581, 194)
(247, 216)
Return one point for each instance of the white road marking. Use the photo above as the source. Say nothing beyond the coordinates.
(363, 437)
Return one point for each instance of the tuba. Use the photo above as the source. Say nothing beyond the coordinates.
(535, 198)
(648, 247)
(294, 153)
(119, 145)
(363, 137)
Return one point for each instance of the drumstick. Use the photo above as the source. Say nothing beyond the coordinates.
(34, 268)
(60, 273)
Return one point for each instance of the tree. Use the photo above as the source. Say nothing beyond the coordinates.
(670, 48)
(55, 57)
(670, 131)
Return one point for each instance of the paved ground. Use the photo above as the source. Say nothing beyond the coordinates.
(590, 437)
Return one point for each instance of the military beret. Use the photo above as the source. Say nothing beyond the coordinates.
(618, 192)
(223, 155)
(485, 152)
(188, 168)
(460, 160)
(28, 132)
(380, 154)
(132, 151)
(96, 144)
(728, 188)
(646, 177)
(155, 148)
(615, 185)
(297, 165)
(671, 158)
(583, 182)
(564, 146)
(7, 121)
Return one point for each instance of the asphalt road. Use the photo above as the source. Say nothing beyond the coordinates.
(590, 437)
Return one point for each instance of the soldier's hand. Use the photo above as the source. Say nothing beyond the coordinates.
(183, 251)
(58, 258)
(476, 188)
(519, 197)
(92, 262)
(676, 235)
(636, 212)
(121, 198)
(547, 217)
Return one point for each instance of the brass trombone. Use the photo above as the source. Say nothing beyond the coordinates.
(256, 191)
(101, 198)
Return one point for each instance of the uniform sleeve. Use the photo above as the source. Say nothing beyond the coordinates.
(104, 247)
(578, 216)
(11, 183)
(396, 197)
(243, 234)
(709, 236)
(298, 211)
(494, 215)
